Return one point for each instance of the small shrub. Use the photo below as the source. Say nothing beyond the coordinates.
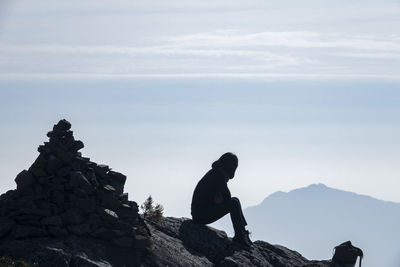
(8, 262)
(151, 212)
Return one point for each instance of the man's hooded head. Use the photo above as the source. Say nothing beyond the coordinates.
(228, 162)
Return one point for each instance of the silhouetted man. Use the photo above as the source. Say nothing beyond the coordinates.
(212, 199)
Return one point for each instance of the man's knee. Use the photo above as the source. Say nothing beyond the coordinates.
(235, 202)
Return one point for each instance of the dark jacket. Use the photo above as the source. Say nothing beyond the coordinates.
(212, 184)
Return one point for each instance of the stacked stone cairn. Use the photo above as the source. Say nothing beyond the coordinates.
(64, 194)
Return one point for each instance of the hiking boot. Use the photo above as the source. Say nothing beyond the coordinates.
(242, 239)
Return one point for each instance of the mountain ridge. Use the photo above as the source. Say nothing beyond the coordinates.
(318, 214)
(322, 186)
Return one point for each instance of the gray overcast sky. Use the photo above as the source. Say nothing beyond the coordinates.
(303, 92)
(267, 38)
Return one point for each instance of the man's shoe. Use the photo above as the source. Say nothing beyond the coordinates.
(242, 239)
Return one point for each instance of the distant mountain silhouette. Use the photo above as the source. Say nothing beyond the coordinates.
(314, 219)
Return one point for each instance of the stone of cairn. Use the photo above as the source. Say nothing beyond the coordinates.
(65, 194)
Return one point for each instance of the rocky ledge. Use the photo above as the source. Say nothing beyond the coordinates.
(180, 242)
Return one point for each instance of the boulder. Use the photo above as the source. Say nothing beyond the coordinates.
(61, 127)
(124, 241)
(117, 177)
(51, 221)
(57, 232)
(28, 219)
(72, 217)
(45, 179)
(123, 197)
(117, 180)
(101, 171)
(26, 231)
(78, 145)
(37, 171)
(77, 179)
(106, 233)
(109, 201)
(109, 189)
(81, 229)
(126, 211)
(64, 171)
(86, 205)
(6, 224)
(24, 179)
(33, 211)
(108, 215)
(53, 164)
(181, 242)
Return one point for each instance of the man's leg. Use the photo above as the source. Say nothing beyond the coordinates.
(212, 213)
(217, 211)
(238, 220)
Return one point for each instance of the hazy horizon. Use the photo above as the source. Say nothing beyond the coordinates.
(165, 134)
(303, 93)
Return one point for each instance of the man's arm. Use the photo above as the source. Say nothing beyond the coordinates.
(218, 199)
(223, 194)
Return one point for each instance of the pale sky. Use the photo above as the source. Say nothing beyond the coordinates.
(303, 92)
(355, 38)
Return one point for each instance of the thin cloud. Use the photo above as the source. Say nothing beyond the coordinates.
(217, 52)
(371, 55)
(145, 57)
(296, 39)
(143, 51)
(260, 76)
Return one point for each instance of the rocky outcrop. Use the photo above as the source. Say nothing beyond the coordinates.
(180, 242)
(70, 211)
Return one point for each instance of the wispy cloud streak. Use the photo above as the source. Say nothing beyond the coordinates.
(296, 52)
(297, 39)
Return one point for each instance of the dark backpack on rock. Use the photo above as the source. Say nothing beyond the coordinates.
(346, 255)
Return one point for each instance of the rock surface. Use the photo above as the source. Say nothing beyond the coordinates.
(180, 242)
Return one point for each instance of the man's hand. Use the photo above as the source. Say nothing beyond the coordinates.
(218, 199)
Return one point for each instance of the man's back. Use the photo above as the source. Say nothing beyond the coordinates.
(207, 188)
